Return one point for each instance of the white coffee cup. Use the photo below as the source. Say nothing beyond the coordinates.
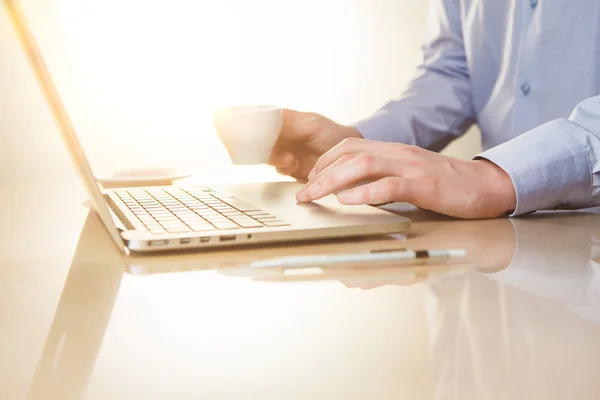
(249, 133)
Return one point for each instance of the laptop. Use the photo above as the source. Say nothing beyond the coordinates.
(159, 218)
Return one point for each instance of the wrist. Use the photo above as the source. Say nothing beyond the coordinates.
(499, 188)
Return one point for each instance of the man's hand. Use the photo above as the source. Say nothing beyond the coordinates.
(304, 138)
(388, 172)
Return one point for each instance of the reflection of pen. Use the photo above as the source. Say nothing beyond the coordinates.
(344, 259)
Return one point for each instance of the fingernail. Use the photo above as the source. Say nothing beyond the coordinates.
(346, 197)
(301, 195)
(313, 191)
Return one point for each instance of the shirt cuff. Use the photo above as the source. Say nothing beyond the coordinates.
(549, 166)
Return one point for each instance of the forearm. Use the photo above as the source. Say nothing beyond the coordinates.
(434, 110)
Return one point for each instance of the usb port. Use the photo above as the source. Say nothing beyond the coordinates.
(227, 238)
(185, 240)
(158, 243)
(205, 239)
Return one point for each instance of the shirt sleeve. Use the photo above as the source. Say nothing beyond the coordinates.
(437, 106)
(556, 165)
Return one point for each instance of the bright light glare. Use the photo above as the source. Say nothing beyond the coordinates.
(152, 72)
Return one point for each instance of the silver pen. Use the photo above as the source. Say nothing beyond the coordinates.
(399, 255)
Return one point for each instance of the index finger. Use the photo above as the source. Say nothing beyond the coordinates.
(347, 146)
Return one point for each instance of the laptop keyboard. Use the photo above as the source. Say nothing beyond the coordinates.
(178, 210)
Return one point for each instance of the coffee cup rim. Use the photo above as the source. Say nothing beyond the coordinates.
(241, 109)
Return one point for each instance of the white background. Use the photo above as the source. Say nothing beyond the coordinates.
(140, 79)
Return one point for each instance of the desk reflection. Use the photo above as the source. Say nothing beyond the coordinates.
(530, 331)
(81, 317)
(520, 319)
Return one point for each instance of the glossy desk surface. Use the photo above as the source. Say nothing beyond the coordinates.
(521, 320)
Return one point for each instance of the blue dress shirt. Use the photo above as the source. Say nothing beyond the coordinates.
(527, 72)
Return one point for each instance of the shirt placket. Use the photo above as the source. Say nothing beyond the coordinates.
(526, 112)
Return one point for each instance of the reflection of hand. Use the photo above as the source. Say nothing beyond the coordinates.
(490, 246)
(400, 279)
(397, 172)
(303, 139)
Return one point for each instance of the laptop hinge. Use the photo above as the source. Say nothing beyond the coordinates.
(121, 222)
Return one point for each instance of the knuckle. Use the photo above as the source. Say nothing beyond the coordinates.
(390, 185)
(429, 186)
(366, 162)
(349, 141)
(330, 180)
(364, 194)
(347, 157)
(408, 150)
(429, 181)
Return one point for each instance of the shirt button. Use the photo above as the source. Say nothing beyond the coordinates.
(533, 3)
(525, 89)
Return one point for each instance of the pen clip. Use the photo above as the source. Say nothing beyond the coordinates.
(388, 250)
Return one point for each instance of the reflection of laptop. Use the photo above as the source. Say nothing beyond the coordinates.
(170, 217)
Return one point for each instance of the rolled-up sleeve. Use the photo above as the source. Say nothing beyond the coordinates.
(437, 106)
(556, 165)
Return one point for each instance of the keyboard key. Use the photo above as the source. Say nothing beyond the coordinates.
(212, 203)
(208, 213)
(171, 223)
(205, 197)
(189, 215)
(224, 207)
(225, 225)
(154, 207)
(217, 219)
(193, 221)
(264, 217)
(162, 214)
(233, 213)
(256, 213)
(178, 230)
(208, 216)
(240, 204)
(183, 213)
(247, 223)
(165, 218)
(190, 219)
(275, 223)
(222, 195)
(212, 215)
(202, 228)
